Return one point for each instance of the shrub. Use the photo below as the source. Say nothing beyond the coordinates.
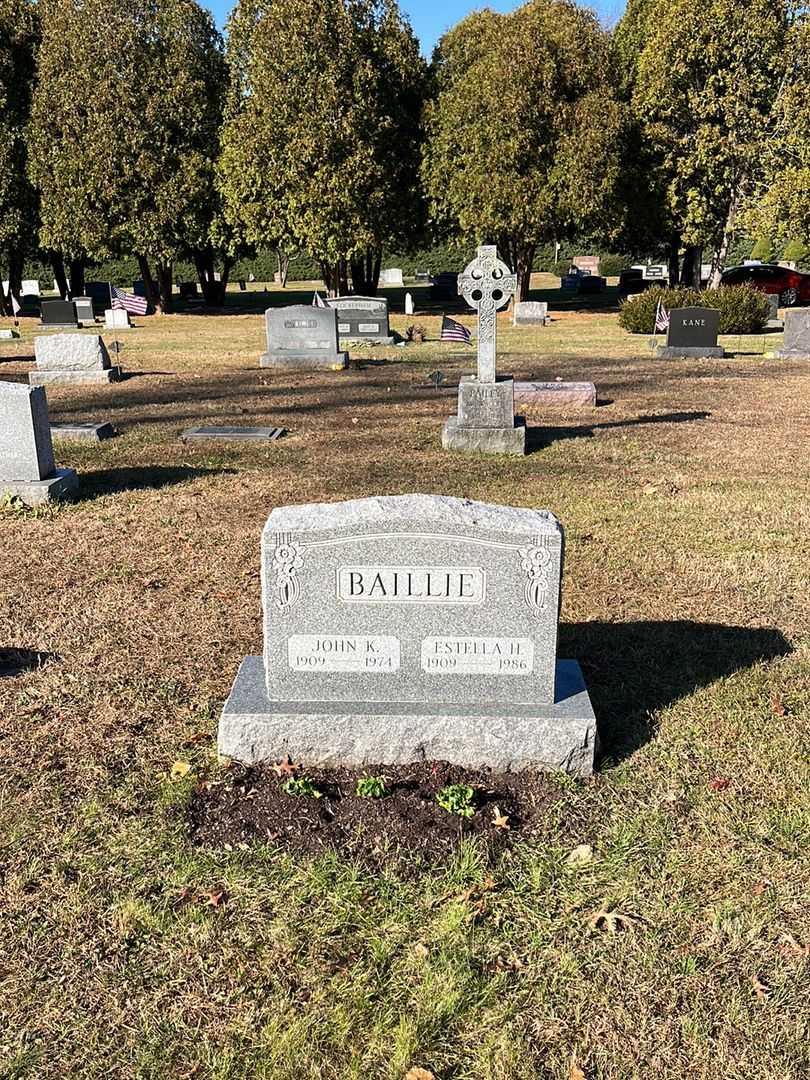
(612, 265)
(743, 310)
(457, 799)
(797, 252)
(764, 250)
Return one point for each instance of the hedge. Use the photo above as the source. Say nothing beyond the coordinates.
(743, 309)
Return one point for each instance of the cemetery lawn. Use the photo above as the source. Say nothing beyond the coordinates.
(655, 923)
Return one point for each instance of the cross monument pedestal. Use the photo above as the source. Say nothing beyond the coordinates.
(486, 419)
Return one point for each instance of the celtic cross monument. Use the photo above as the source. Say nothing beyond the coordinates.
(486, 402)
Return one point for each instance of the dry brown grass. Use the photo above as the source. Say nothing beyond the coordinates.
(685, 499)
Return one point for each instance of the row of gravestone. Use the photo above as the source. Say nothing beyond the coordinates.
(71, 314)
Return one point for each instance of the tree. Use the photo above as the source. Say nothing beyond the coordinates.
(706, 81)
(781, 206)
(521, 130)
(125, 131)
(18, 204)
(320, 147)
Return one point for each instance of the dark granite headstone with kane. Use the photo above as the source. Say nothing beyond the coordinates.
(362, 318)
(692, 332)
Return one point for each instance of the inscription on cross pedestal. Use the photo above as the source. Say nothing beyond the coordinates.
(487, 285)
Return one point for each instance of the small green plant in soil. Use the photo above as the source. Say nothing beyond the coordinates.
(457, 799)
(370, 787)
(301, 785)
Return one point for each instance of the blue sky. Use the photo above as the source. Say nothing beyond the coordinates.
(430, 18)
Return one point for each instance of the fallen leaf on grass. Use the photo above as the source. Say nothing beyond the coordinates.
(759, 887)
(180, 769)
(421, 951)
(216, 897)
(778, 707)
(499, 820)
(575, 1072)
(790, 948)
(611, 921)
(760, 989)
(419, 1074)
(183, 897)
(650, 489)
(285, 768)
(581, 855)
(719, 783)
(153, 583)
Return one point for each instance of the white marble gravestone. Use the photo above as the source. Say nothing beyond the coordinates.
(486, 411)
(407, 627)
(27, 469)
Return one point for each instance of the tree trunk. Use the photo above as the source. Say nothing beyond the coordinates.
(77, 277)
(343, 277)
(358, 271)
(329, 273)
(58, 267)
(152, 294)
(691, 267)
(164, 277)
(227, 266)
(283, 264)
(15, 272)
(524, 261)
(719, 259)
(674, 260)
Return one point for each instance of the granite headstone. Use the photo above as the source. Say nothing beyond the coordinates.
(796, 345)
(72, 358)
(27, 469)
(692, 332)
(302, 337)
(84, 309)
(362, 318)
(530, 313)
(408, 627)
(58, 314)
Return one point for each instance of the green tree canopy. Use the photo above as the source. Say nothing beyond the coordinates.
(521, 133)
(320, 147)
(18, 204)
(124, 132)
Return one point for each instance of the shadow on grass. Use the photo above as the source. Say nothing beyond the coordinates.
(634, 669)
(140, 478)
(16, 661)
(539, 437)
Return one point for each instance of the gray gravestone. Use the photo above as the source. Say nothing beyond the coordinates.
(392, 277)
(362, 318)
(27, 469)
(486, 410)
(58, 314)
(408, 627)
(773, 322)
(72, 358)
(84, 309)
(796, 345)
(117, 319)
(302, 337)
(555, 395)
(530, 313)
(692, 332)
(83, 432)
(238, 434)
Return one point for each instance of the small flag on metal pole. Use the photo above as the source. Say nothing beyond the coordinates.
(454, 331)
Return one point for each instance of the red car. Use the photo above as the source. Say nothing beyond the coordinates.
(790, 286)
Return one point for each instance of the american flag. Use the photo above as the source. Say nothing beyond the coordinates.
(454, 331)
(661, 318)
(124, 301)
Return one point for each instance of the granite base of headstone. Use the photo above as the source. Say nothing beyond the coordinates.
(27, 468)
(796, 345)
(530, 313)
(234, 434)
(58, 315)
(83, 432)
(117, 319)
(692, 332)
(362, 319)
(486, 421)
(72, 358)
(302, 338)
(407, 628)
(554, 395)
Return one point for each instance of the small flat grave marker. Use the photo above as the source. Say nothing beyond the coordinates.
(243, 434)
(83, 432)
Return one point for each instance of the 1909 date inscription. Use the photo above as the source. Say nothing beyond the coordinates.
(412, 584)
(478, 656)
(348, 653)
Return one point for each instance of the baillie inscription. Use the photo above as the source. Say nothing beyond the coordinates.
(411, 584)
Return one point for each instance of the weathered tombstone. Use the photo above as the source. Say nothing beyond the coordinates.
(486, 412)
(796, 345)
(555, 395)
(655, 271)
(72, 358)
(27, 469)
(408, 304)
(29, 287)
(302, 337)
(84, 309)
(588, 264)
(692, 332)
(117, 319)
(362, 318)
(530, 313)
(234, 434)
(59, 314)
(79, 432)
(774, 322)
(422, 276)
(411, 627)
(391, 277)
